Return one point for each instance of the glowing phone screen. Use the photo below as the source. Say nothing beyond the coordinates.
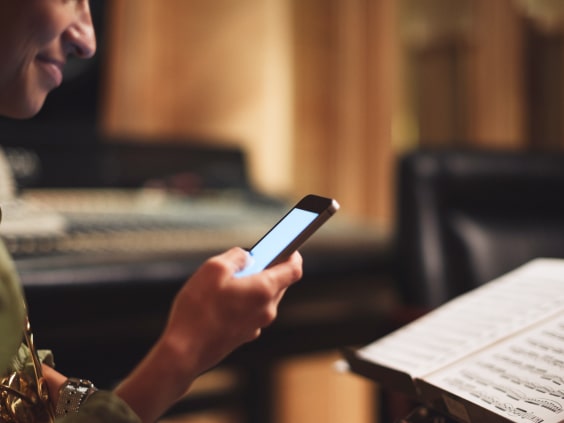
(274, 242)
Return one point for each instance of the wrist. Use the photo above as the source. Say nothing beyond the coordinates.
(159, 380)
(178, 357)
(194, 353)
(54, 382)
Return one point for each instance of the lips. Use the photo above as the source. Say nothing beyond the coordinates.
(52, 68)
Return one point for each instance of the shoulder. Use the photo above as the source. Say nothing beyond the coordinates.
(12, 310)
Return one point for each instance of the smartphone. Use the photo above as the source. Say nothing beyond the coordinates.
(289, 233)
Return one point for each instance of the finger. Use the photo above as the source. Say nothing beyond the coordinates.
(279, 296)
(286, 273)
(236, 257)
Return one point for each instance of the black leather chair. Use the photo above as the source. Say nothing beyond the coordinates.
(466, 217)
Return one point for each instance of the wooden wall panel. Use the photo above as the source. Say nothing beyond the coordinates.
(496, 77)
(304, 86)
(344, 80)
(311, 390)
(215, 70)
(309, 88)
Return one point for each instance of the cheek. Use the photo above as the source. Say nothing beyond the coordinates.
(48, 22)
(21, 90)
(15, 62)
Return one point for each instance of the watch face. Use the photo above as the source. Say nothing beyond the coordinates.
(72, 394)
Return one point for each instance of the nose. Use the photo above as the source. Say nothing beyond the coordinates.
(80, 36)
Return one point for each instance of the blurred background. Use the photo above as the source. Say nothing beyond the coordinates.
(322, 96)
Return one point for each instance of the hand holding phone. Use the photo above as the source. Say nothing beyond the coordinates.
(289, 233)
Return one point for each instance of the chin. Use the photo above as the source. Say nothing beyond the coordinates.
(22, 99)
(23, 110)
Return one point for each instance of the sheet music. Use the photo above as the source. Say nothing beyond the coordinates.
(474, 320)
(521, 378)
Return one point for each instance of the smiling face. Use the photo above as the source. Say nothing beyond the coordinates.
(36, 37)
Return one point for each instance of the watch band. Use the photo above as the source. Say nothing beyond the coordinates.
(72, 394)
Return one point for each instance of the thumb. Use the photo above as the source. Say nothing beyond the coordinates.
(237, 257)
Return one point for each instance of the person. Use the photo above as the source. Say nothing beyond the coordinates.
(211, 315)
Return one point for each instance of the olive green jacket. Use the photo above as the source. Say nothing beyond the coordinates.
(102, 406)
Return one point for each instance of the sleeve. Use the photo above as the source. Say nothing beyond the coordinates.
(102, 407)
(12, 309)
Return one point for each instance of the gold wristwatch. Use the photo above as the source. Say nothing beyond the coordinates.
(72, 394)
